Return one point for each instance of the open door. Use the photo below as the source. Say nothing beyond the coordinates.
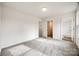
(50, 29)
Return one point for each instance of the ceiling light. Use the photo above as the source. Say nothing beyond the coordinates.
(44, 9)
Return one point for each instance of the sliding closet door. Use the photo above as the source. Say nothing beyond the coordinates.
(50, 29)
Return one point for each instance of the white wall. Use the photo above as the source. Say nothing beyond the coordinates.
(77, 27)
(56, 27)
(0, 25)
(62, 26)
(18, 27)
(67, 25)
(44, 28)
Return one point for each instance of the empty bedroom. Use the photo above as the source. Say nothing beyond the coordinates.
(39, 28)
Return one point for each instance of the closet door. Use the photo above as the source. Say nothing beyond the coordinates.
(50, 29)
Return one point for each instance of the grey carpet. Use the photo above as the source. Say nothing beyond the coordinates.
(43, 47)
(53, 47)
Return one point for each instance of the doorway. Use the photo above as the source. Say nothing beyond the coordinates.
(50, 29)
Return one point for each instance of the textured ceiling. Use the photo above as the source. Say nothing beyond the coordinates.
(35, 8)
